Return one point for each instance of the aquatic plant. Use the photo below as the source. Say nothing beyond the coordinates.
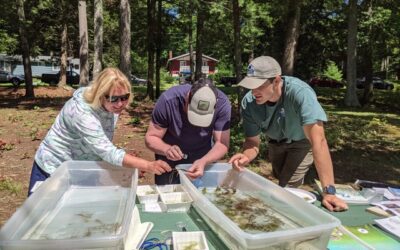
(250, 213)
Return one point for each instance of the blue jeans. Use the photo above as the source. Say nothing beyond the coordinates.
(37, 174)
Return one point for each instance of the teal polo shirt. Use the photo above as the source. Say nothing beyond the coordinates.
(298, 106)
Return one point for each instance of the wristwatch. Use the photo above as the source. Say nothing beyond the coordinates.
(330, 189)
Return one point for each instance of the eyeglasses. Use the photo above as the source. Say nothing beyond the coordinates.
(116, 98)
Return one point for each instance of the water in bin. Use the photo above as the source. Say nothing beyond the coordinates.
(198, 182)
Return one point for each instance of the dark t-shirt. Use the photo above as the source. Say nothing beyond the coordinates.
(169, 112)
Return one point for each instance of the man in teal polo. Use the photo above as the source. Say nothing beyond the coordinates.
(286, 109)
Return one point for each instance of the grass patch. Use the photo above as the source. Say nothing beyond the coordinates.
(10, 186)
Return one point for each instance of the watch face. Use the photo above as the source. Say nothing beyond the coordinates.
(330, 189)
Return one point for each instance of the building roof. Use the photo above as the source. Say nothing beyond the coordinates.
(185, 57)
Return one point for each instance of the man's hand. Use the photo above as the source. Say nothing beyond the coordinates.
(333, 203)
(196, 170)
(157, 167)
(239, 161)
(174, 153)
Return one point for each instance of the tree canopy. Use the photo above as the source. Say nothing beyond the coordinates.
(322, 32)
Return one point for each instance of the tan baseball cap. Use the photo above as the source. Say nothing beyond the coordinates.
(259, 70)
(202, 97)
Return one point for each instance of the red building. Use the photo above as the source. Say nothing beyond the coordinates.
(181, 64)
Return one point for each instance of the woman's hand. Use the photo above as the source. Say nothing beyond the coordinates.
(157, 167)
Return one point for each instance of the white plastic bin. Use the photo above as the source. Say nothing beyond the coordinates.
(83, 205)
(170, 188)
(189, 240)
(147, 194)
(176, 201)
(313, 229)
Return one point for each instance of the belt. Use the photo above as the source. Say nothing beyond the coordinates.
(284, 140)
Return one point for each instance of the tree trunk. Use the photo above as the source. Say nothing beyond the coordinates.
(98, 37)
(62, 82)
(84, 47)
(191, 56)
(236, 40)
(368, 88)
(237, 51)
(125, 38)
(29, 92)
(151, 6)
(351, 99)
(158, 48)
(292, 36)
(199, 40)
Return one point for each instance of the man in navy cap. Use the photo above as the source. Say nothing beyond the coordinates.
(190, 125)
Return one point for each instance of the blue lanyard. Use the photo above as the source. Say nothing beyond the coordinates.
(153, 243)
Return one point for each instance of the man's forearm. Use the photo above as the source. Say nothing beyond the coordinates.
(250, 149)
(216, 153)
(323, 163)
(157, 145)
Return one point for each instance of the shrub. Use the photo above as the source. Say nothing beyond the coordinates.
(166, 77)
(221, 73)
(333, 72)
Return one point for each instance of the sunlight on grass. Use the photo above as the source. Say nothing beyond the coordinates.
(11, 186)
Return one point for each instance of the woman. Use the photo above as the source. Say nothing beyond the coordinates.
(84, 129)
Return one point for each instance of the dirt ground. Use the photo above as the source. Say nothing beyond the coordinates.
(24, 123)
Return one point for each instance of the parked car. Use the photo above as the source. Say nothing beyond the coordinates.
(16, 80)
(377, 83)
(321, 81)
(227, 80)
(138, 81)
(52, 79)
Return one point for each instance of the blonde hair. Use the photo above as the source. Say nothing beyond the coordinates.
(104, 84)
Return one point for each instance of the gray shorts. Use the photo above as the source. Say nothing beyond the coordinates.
(290, 161)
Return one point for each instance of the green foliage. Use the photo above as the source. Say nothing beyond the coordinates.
(10, 185)
(237, 139)
(134, 121)
(222, 72)
(333, 72)
(263, 27)
(8, 42)
(139, 64)
(166, 77)
(134, 104)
